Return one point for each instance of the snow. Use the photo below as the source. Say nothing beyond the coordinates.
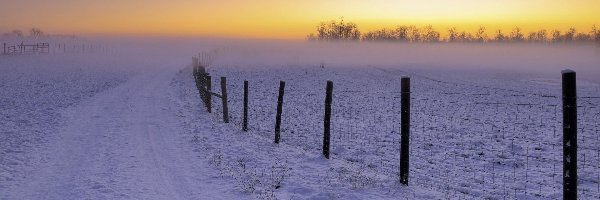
(122, 143)
(34, 91)
(258, 165)
(474, 135)
(129, 124)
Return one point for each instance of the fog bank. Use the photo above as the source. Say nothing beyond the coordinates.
(539, 59)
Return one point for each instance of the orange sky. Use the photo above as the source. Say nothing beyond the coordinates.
(286, 19)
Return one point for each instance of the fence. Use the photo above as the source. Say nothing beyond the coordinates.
(38, 48)
(47, 48)
(468, 140)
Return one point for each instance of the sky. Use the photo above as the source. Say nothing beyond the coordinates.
(279, 19)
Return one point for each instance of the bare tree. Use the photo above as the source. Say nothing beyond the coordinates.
(36, 33)
(556, 36)
(17, 33)
(595, 33)
(500, 37)
(542, 35)
(532, 37)
(380, 35)
(516, 35)
(465, 37)
(570, 35)
(414, 34)
(402, 33)
(430, 34)
(481, 36)
(335, 30)
(538, 36)
(452, 34)
(582, 37)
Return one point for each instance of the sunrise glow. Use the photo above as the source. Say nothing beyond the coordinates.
(287, 19)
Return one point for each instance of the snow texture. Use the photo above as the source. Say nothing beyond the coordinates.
(122, 125)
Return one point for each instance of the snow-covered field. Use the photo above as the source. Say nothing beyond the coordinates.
(493, 135)
(286, 171)
(96, 127)
(35, 90)
(127, 125)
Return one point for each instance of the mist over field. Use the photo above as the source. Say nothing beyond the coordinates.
(113, 100)
(530, 58)
(536, 58)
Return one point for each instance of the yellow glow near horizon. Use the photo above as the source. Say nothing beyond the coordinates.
(287, 19)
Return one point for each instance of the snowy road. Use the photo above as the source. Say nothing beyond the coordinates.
(124, 143)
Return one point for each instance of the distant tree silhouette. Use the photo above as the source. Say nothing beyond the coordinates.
(465, 37)
(500, 37)
(556, 36)
(570, 35)
(481, 36)
(414, 34)
(452, 34)
(380, 35)
(13, 33)
(538, 36)
(430, 34)
(336, 30)
(516, 35)
(595, 33)
(341, 30)
(582, 37)
(36, 33)
(402, 33)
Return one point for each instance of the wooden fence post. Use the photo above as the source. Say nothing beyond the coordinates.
(245, 117)
(279, 110)
(195, 65)
(224, 98)
(201, 69)
(198, 87)
(208, 94)
(203, 82)
(327, 119)
(195, 71)
(405, 129)
(200, 82)
(569, 92)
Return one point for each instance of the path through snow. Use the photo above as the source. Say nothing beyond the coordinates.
(123, 143)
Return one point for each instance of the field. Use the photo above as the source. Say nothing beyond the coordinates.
(128, 123)
(35, 91)
(473, 135)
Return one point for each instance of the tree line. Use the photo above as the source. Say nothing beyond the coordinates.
(33, 33)
(348, 31)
